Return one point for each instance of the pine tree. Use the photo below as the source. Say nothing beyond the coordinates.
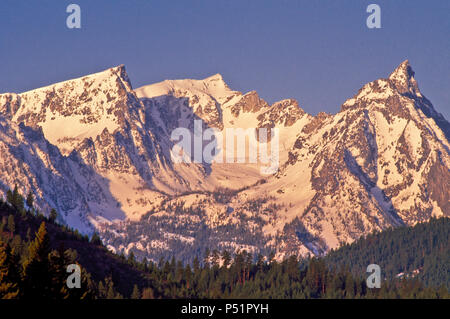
(196, 265)
(272, 257)
(136, 293)
(8, 288)
(30, 200)
(179, 273)
(260, 262)
(188, 276)
(17, 199)
(88, 289)
(292, 268)
(172, 266)
(226, 257)
(106, 289)
(58, 264)
(53, 215)
(28, 235)
(206, 258)
(148, 293)
(36, 269)
(215, 257)
(9, 197)
(95, 239)
(131, 258)
(101, 290)
(11, 225)
(14, 263)
(110, 291)
(145, 264)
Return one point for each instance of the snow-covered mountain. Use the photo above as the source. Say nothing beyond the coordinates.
(99, 152)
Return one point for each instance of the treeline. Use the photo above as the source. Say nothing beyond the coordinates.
(422, 252)
(223, 276)
(35, 251)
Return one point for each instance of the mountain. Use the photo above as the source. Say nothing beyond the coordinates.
(35, 251)
(101, 153)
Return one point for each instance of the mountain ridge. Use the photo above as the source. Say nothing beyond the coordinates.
(379, 162)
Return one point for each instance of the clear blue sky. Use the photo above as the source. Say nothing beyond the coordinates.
(319, 52)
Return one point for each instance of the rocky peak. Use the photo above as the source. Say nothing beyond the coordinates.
(403, 71)
(387, 92)
(122, 74)
(72, 110)
(285, 112)
(403, 79)
(9, 104)
(250, 102)
(345, 174)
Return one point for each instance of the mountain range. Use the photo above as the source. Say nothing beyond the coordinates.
(99, 152)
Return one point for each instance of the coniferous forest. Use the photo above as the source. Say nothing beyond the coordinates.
(35, 251)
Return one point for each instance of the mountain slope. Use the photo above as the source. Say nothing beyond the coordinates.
(105, 275)
(382, 161)
(378, 163)
(19, 228)
(422, 252)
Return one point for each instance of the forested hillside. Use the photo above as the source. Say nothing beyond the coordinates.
(422, 251)
(35, 251)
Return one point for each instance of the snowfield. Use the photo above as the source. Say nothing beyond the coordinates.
(99, 152)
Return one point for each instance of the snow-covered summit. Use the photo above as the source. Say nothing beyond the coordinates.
(73, 110)
(403, 79)
(213, 86)
(96, 150)
(110, 74)
(399, 84)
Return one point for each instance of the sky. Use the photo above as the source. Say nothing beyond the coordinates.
(318, 52)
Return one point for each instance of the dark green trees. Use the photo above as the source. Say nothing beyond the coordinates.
(36, 269)
(36, 266)
(30, 200)
(8, 287)
(15, 199)
(53, 215)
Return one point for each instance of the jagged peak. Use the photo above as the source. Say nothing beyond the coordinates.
(113, 73)
(323, 115)
(120, 67)
(72, 110)
(121, 72)
(403, 79)
(288, 104)
(403, 70)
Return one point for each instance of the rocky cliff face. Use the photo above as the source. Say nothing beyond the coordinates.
(99, 152)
